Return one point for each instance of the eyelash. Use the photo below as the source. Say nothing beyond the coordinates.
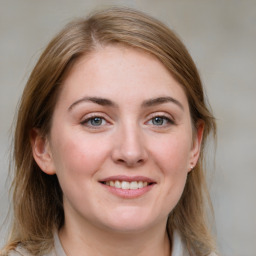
(91, 118)
(166, 121)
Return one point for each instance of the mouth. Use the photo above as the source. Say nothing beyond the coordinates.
(126, 184)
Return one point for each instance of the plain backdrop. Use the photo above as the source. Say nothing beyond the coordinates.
(221, 37)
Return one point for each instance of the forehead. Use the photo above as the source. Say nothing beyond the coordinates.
(119, 71)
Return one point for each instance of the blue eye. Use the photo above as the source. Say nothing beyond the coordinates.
(94, 121)
(160, 121)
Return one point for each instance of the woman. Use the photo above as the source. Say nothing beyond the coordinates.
(109, 144)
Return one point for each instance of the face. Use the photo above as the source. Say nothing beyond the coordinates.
(121, 141)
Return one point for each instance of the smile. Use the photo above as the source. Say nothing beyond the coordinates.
(128, 187)
(126, 184)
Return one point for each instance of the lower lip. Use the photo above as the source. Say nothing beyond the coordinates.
(128, 193)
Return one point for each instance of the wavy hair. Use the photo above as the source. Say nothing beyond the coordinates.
(36, 196)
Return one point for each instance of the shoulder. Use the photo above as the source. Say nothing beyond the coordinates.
(20, 251)
(179, 247)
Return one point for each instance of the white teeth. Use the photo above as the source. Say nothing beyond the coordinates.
(134, 185)
(117, 184)
(127, 184)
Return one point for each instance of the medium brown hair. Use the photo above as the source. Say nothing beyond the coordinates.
(37, 197)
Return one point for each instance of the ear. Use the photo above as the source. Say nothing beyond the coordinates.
(42, 152)
(196, 146)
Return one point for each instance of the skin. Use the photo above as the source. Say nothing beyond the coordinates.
(138, 134)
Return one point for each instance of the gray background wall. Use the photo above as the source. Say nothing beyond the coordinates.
(221, 37)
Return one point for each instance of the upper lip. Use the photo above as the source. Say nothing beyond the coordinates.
(128, 178)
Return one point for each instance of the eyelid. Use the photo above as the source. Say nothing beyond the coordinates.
(161, 114)
(86, 118)
(168, 117)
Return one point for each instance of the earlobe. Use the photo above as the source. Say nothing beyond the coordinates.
(196, 147)
(42, 152)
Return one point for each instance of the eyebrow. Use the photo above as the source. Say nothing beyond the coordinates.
(97, 100)
(161, 100)
(107, 102)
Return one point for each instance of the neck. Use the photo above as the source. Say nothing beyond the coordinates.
(89, 240)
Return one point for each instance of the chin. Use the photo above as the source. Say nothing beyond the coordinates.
(131, 222)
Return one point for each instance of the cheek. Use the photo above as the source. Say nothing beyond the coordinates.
(77, 159)
(78, 154)
(173, 154)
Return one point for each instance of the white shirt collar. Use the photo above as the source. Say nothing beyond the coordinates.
(178, 247)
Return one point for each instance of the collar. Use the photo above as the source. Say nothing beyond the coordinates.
(178, 247)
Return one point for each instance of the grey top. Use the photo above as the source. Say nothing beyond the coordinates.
(178, 248)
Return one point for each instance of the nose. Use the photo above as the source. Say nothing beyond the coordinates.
(129, 147)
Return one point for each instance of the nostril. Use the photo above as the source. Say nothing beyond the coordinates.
(129, 156)
(130, 162)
